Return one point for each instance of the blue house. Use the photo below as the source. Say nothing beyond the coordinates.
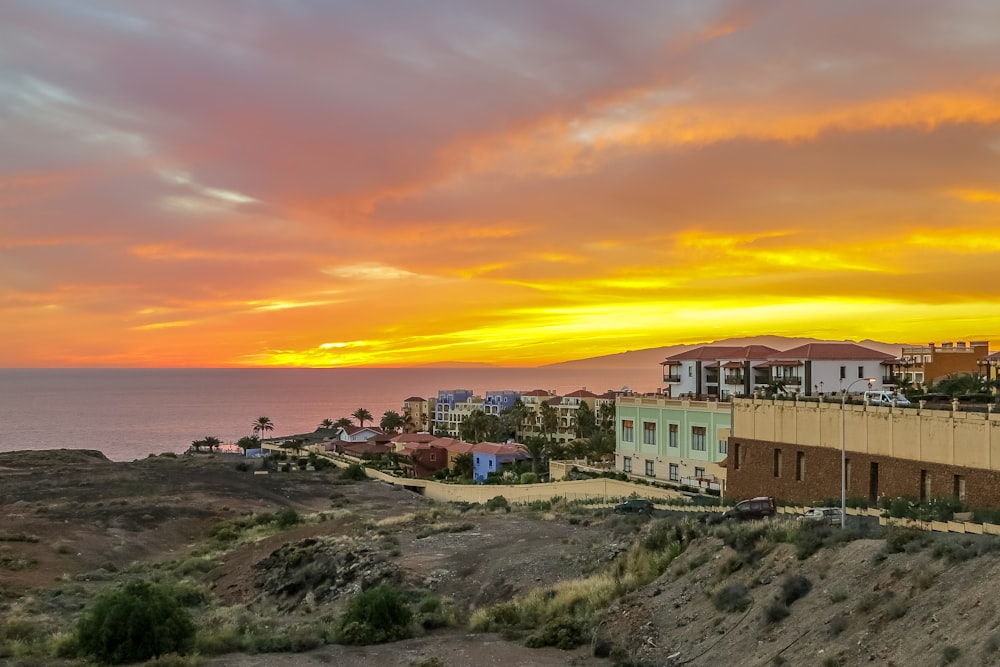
(490, 457)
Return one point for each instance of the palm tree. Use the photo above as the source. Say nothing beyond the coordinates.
(326, 423)
(343, 422)
(474, 427)
(462, 466)
(196, 445)
(248, 442)
(774, 388)
(262, 425)
(391, 422)
(536, 448)
(211, 442)
(550, 420)
(362, 416)
(518, 413)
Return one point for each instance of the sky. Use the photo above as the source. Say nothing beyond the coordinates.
(399, 182)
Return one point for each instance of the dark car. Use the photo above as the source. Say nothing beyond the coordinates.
(634, 506)
(761, 507)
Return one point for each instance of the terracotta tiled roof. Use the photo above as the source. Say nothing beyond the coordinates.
(830, 352)
(582, 393)
(413, 437)
(717, 352)
(536, 392)
(499, 449)
(414, 399)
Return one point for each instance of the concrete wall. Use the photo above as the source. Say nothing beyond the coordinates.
(592, 489)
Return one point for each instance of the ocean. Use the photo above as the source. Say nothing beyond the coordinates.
(131, 413)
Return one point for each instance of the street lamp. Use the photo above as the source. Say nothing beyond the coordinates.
(843, 449)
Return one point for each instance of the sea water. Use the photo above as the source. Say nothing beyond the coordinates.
(131, 413)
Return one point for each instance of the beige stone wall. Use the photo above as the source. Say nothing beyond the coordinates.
(968, 439)
(591, 489)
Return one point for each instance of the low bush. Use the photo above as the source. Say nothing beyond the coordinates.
(497, 503)
(775, 611)
(732, 598)
(795, 587)
(354, 473)
(563, 632)
(286, 518)
(950, 654)
(136, 622)
(375, 616)
(838, 624)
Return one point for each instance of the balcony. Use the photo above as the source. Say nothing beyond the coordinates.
(671, 378)
(735, 379)
(890, 380)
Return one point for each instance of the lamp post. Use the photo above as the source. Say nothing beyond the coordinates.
(843, 450)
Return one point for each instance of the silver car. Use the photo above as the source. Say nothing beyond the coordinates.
(823, 514)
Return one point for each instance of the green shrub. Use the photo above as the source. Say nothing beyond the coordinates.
(354, 473)
(497, 503)
(562, 632)
(794, 588)
(136, 622)
(775, 611)
(375, 616)
(287, 518)
(529, 478)
(950, 654)
(838, 624)
(868, 602)
(734, 597)
(897, 539)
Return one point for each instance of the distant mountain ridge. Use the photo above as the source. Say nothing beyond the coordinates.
(653, 356)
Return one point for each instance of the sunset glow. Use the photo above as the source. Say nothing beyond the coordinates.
(188, 184)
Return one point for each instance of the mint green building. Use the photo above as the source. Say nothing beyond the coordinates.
(674, 440)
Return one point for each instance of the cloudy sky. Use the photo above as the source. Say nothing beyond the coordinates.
(391, 182)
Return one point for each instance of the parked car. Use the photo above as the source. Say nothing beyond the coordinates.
(830, 515)
(761, 507)
(886, 398)
(634, 506)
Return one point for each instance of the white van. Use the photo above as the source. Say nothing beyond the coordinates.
(886, 398)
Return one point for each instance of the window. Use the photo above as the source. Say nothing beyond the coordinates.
(698, 438)
(477, 460)
(648, 433)
(491, 463)
(649, 468)
(628, 430)
(674, 473)
(861, 371)
(843, 372)
(672, 435)
(737, 456)
(959, 487)
(777, 463)
(800, 466)
(690, 371)
(699, 472)
(432, 456)
(724, 446)
(627, 464)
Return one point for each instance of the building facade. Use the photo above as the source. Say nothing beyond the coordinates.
(925, 364)
(792, 450)
(671, 439)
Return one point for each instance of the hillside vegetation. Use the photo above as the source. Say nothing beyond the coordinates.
(309, 568)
